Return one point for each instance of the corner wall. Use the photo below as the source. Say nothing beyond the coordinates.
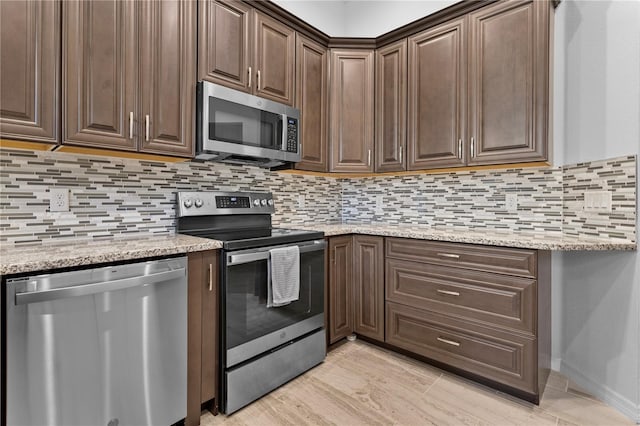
(596, 297)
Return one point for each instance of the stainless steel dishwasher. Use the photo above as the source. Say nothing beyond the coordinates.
(104, 346)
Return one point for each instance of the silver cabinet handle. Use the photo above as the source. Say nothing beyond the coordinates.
(401, 149)
(460, 148)
(450, 293)
(131, 125)
(146, 127)
(250, 78)
(473, 147)
(369, 158)
(451, 255)
(448, 342)
(210, 277)
(263, 253)
(258, 87)
(99, 287)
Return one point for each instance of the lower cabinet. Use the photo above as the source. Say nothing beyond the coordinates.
(356, 287)
(202, 335)
(481, 311)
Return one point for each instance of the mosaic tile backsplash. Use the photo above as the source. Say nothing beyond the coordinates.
(114, 197)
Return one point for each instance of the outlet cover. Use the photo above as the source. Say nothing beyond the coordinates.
(379, 203)
(511, 201)
(597, 201)
(59, 200)
(302, 202)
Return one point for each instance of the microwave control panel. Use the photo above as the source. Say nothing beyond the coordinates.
(292, 135)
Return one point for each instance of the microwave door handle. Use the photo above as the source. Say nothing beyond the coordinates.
(284, 132)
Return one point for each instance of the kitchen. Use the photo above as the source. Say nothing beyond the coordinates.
(114, 195)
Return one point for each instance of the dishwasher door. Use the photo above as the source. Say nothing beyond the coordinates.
(105, 346)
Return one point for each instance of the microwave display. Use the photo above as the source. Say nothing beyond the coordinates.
(241, 124)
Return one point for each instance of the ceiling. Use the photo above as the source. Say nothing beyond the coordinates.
(361, 18)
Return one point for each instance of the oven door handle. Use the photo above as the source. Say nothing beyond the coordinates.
(263, 254)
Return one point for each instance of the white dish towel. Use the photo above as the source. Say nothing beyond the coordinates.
(284, 276)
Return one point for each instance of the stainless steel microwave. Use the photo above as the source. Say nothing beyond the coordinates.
(237, 127)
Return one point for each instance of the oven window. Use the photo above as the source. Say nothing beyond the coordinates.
(247, 315)
(236, 123)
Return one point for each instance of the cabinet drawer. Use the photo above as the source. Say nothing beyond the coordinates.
(496, 355)
(499, 300)
(501, 260)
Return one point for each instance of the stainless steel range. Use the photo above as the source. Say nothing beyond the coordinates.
(261, 347)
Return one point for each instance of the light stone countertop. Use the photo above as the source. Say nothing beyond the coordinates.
(21, 259)
(486, 237)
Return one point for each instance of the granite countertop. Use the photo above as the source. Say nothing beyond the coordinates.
(17, 259)
(486, 237)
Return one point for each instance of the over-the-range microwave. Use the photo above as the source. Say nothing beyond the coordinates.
(237, 127)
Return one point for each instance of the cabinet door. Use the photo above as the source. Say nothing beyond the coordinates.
(340, 288)
(29, 64)
(275, 54)
(100, 73)
(509, 85)
(311, 100)
(391, 107)
(210, 295)
(352, 89)
(167, 77)
(224, 43)
(368, 286)
(437, 97)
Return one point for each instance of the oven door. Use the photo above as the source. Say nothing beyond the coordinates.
(250, 328)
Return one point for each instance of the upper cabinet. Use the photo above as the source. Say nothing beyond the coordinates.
(29, 64)
(478, 91)
(129, 75)
(391, 107)
(312, 101)
(509, 82)
(437, 68)
(351, 109)
(246, 50)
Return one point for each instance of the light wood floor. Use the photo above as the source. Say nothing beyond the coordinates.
(361, 384)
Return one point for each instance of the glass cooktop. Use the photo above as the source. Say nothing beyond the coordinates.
(241, 238)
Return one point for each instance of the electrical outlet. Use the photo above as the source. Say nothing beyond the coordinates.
(597, 201)
(379, 203)
(302, 202)
(59, 200)
(511, 201)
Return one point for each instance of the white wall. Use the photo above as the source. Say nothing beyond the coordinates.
(361, 18)
(596, 296)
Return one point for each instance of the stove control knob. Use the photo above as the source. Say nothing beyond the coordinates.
(263, 202)
(256, 202)
(188, 203)
(270, 202)
(199, 203)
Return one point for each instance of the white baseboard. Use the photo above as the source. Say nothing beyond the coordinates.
(600, 391)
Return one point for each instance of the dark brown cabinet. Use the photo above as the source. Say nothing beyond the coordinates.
(368, 286)
(202, 335)
(246, 50)
(481, 310)
(509, 82)
(29, 64)
(312, 101)
(340, 287)
(129, 75)
(437, 78)
(351, 109)
(391, 107)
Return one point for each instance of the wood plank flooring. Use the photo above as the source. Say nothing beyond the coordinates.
(362, 384)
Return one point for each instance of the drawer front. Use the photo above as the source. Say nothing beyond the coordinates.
(500, 260)
(498, 300)
(498, 356)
